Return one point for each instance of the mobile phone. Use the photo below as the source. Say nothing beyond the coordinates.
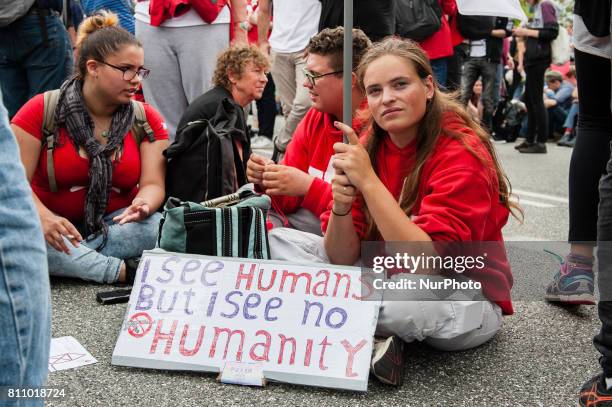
(114, 297)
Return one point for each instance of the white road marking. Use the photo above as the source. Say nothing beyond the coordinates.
(546, 197)
(537, 204)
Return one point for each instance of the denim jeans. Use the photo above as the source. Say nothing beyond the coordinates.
(440, 70)
(556, 119)
(27, 66)
(572, 115)
(473, 68)
(25, 309)
(124, 241)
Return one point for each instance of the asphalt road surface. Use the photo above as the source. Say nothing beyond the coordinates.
(540, 357)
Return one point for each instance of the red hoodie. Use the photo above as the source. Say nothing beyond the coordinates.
(458, 199)
(439, 45)
(161, 10)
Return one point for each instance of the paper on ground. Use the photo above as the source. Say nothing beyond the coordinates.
(67, 353)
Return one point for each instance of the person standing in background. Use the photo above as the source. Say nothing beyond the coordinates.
(35, 51)
(123, 8)
(439, 47)
(295, 22)
(183, 48)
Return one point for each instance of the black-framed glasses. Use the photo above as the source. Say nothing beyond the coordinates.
(129, 73)
(312, 77)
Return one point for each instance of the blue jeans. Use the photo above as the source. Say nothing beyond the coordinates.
(572, 115)
(440, 70)
(25, 309)
(556, 118)
(124, 241)
(27, 67)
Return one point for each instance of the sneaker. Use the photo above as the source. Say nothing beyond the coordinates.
(594, 393)
(388, 360)
(535, 148)
(568, 140)
(522, 145)
(573, 283)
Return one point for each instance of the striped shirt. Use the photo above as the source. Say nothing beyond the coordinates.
(123, 8)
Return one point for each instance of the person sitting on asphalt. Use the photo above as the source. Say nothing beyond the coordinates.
(558, 101)
(103, 183)
(426, 172)
(300, 185)
(239, 78)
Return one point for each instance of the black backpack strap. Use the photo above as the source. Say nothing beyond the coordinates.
(51, 99)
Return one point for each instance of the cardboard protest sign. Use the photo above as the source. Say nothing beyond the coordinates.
(306, 324)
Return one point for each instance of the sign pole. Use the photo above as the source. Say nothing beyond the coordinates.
(347, 69)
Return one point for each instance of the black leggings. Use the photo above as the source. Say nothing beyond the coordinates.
(591, 153)
(537, 116)
(592, 150)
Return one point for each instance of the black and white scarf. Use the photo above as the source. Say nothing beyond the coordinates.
(71, 113)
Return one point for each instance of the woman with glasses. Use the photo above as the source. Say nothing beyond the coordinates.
(96, 183)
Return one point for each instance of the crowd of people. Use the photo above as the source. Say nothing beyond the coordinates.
(101, 95)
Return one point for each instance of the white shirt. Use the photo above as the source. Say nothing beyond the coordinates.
(478, 48)
(295, 22)
(190, 18)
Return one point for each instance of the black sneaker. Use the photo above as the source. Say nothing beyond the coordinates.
(535, 148)
(595, 394)
(388, 360)
(522, 145)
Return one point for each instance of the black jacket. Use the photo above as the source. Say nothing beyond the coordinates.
(374, 17)
(204, 162)
(595, 14)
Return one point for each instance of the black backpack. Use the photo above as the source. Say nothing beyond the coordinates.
(203, 163)
(475, 27)
(507, 120)
(417, 19)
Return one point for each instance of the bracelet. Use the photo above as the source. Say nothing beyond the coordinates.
(341, 214)
(244, 25)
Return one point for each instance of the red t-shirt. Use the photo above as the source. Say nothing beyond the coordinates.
(71, 169)
(310, 150)
(458, 199)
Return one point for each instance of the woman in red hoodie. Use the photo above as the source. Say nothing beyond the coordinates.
(426, 172)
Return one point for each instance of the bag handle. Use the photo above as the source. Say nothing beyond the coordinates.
(227, 200)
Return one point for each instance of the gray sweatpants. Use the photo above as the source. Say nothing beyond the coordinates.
(287, 71)
(449, 325)
(182, 62)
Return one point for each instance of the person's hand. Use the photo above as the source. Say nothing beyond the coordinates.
(281, 179)
(521, 31)
(343, 193)
(55, 228)
(510, 64)
(352, 159)
(256, 167)
(521, 69)
(137, 211)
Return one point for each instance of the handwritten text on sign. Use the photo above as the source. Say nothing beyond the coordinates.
(304, 324)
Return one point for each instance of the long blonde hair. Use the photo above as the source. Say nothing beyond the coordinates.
(430, 128)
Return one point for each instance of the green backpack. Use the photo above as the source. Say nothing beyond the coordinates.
(140, 130)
